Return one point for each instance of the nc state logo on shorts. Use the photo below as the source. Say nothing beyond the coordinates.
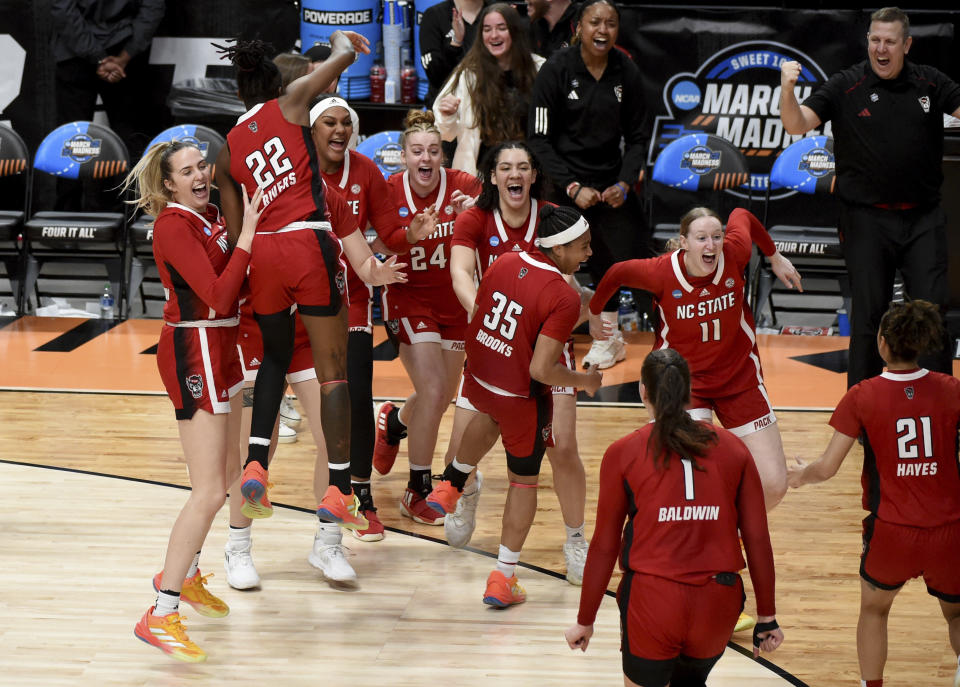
(341, 282)
(546, 432)
(195, 385)
(394, 326)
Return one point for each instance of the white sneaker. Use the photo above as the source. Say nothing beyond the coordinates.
(576, 555)
(241, 572)
(331, 561)
(289, 414)
(604, 354)
(459, 525)
(285, 435)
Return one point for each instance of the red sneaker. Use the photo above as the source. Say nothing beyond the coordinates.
(444, 497)
(342, 509)
(502, 592)
(253, 486)
(384, 452)
(415, 506)
(374, 531)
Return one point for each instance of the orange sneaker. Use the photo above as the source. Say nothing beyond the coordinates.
(197, 595)
(384, 451)
(168, 634)
(374, 530)
(342, 509)
(502, 592)
(253, 486)
(444, 497)
(415, 506)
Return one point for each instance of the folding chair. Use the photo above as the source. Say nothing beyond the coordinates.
(141, 229)
(95, 155)
(15, 193)
(384, 149)
(806, 166)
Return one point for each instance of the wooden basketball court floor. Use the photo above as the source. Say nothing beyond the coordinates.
(94, 478)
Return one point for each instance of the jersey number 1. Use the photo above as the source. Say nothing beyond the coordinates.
(687, 479)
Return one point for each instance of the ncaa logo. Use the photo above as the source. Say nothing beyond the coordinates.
(701, 160)
(677, 294)
(685, 95)
(494, 241)
(817, 162)
(403, 211)
(81, 148)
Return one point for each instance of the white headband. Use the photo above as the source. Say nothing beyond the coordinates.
(566, 236)
(333, 101)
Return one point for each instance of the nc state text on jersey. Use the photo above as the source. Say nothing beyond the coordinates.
(703, 308)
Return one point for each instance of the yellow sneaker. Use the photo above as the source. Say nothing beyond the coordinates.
(744, 623)
(196, 594)
(168, 634)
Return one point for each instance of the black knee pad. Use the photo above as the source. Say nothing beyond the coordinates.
(528, 466)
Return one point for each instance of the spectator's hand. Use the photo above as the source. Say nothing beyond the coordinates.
(422, 225)
(448, 106)
(615, 195)
(578, 636)
(461, 201)
(588, 197)
(350, 40)
(110, 70)
(785, 271)
(459, 28)
(593, 379)
(789, 73)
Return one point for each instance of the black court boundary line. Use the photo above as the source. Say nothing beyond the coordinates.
(772, 667)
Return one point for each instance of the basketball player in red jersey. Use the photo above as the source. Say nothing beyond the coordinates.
(197, 357)
(504, 219)
(358, 179)
(699, 290)
(524, 314)
(298, 263)
(911, 478)
(684, 489)
(424, 313)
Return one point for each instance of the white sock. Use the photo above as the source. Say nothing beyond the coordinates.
(462, 467)
(194, 566)
(238, 538)
(167, 603)
(329, 533)
(575, 534)
(612, 318)
(507, 561)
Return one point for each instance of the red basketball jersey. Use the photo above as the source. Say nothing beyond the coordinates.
(489, 237)
(268, 152)
(521, 296)
(705, 319)
(201, 275)
(429, 290)
(681, 523)
(910, 472)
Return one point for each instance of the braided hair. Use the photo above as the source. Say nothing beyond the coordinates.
(258, 78)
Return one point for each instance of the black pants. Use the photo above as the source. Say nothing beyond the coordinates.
(616, 234)
(876, 243)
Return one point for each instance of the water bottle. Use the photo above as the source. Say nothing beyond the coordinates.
(843, 322)
(627, 313)
(378, 79)
(408, 84)
(106, 303)
(390, 90)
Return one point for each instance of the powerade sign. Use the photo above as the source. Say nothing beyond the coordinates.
(735, 94)
(352, 18)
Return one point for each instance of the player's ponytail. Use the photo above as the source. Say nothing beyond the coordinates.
(911, 328)
(258, 78)
(666, 376)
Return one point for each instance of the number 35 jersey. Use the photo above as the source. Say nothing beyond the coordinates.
(521, 296)
(268, 152)
(910, 471)
(429, 289)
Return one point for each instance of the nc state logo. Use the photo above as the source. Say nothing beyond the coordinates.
(252, 126)
(547, 432)
(341, 282)
(195, 385)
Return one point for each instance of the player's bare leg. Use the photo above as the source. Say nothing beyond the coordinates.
(875, 606)
(767, 450)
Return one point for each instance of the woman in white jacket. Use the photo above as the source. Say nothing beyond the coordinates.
(486, 100)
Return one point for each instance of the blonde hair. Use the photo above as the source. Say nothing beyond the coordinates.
(148, 174)
(418, 121)
(674, 243)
